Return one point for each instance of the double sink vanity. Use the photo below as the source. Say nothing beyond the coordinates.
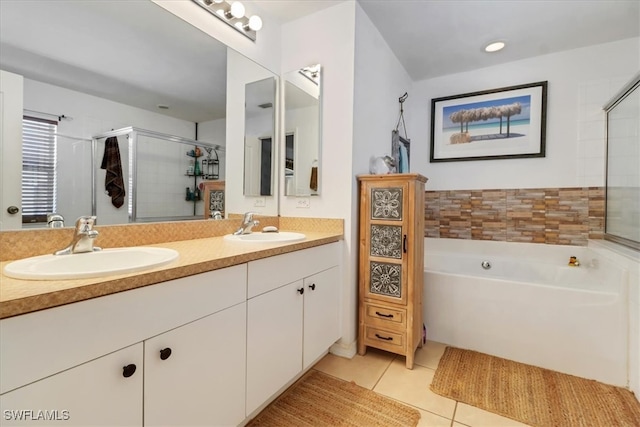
(207, 338)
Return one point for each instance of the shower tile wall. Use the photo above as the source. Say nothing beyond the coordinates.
(564, 216)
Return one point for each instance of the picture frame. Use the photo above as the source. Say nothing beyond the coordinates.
(214, 198)
(504, 123)
(400, 150)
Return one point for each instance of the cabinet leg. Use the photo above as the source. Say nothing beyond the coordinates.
(409, 360)
(362, 349)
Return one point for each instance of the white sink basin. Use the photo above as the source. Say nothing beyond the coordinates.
(90, 264)
(279, 237)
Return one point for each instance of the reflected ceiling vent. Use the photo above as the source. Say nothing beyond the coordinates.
(233, 14)
(266, 105)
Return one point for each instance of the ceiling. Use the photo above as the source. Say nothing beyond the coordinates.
(438, 37)
(138, 54)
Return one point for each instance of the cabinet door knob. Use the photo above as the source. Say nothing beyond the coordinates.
(301, 291)
(404, 244)
(312, 286)
(128, 370)
(165, 353)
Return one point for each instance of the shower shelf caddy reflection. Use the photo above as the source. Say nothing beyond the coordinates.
(210, 171)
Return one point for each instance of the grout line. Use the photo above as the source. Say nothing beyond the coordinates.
(384, 372)
(453, 417)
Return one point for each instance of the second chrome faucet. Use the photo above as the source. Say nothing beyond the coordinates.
(247, 224)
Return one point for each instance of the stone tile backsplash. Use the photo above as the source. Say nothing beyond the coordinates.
(563, 216)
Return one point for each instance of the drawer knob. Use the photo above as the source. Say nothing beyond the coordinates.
(389, 316)
(384, 338)
(301, 291)
(128, 370)
(165, 353)
(312, 286)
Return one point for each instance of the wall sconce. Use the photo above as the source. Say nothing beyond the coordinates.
(233, 14)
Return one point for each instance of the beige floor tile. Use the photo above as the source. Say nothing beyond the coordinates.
(364, 370)
(475, 417)
(429, 419)
(412, 387)
(429, 355)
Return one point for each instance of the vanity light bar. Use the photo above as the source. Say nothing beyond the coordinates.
(233, 14)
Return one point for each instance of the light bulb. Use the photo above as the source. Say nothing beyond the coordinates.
(494, 47)
(237, 9)
(255, 23)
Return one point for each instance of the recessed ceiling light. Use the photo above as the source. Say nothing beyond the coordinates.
(494, 46)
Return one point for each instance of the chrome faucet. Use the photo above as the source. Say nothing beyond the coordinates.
(247, 224)
(55, 220)
(83, 237)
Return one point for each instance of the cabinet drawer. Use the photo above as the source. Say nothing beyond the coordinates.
(383, 339)
(270, 273)
(385, 316)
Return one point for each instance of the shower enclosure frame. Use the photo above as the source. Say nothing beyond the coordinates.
(632, 86)
(132, 134)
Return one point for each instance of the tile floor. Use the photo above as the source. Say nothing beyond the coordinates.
(385, 373)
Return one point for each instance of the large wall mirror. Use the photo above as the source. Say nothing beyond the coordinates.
(302, 128)
(259, 136)
(622, 219)
(93, 67)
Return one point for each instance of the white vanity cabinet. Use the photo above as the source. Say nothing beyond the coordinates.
(321, 314)
(195, 375)
(292, 317)
(100, 391)
(207, 349)
(73, 357)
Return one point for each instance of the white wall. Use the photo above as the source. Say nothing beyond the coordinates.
(328, 38)
(581, 81)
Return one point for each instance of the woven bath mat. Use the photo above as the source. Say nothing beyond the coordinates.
(319, 400)
(532, 395)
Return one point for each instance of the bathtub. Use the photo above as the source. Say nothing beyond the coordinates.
(529, 306)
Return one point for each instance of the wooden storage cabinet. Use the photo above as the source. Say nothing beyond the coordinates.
(391, 263)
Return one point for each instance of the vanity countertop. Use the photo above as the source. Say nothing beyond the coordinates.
(196, 256)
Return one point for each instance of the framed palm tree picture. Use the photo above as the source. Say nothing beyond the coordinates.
(504, 123)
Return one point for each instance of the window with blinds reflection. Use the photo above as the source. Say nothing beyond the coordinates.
(38, 169)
